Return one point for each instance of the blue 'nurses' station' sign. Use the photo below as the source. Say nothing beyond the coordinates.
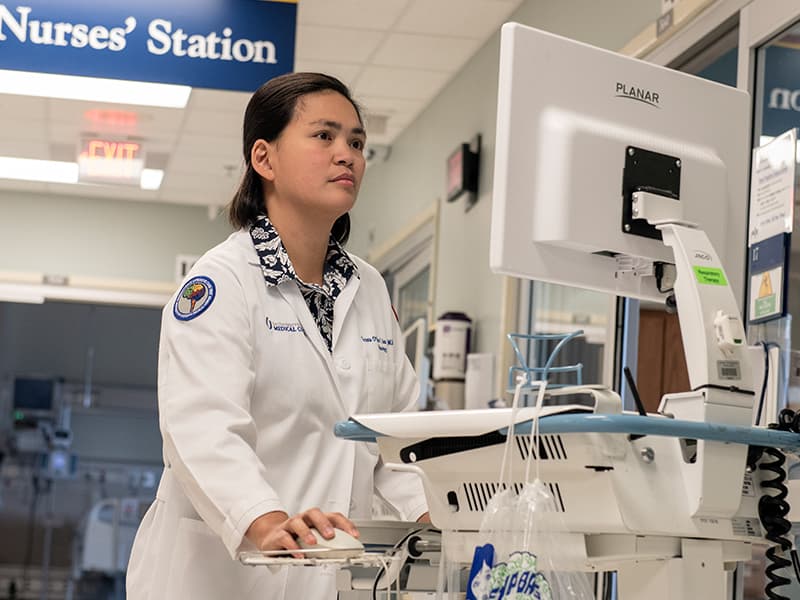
(781, 89)
(218, 44)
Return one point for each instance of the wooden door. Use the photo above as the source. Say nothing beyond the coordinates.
(661, 360)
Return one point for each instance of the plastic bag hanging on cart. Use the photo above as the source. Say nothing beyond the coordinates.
(525, 554)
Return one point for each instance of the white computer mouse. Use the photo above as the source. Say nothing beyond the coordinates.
(341, 545)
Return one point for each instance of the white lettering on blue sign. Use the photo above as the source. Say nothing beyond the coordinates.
(784, 99)
(77, 35)
(211, 46)
(163, 39)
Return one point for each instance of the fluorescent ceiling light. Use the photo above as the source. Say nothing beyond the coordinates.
(48, 171)
(94, 89)
(151, 179)
(54, 171)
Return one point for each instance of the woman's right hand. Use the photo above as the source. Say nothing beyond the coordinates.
(278, 531)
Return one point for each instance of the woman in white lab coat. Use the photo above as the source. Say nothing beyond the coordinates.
(276, 335)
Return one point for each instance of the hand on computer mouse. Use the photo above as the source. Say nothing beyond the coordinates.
(278, 531)
(341, 545)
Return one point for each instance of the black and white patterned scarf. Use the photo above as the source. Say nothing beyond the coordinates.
(277, 268)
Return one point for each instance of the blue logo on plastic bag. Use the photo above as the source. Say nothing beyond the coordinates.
(517, 579)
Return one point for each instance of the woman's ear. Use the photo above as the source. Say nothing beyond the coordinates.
(260, 155)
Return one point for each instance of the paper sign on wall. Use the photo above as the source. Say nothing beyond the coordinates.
(772, 193)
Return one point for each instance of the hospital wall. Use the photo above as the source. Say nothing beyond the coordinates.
(101, 237)
(413, 177)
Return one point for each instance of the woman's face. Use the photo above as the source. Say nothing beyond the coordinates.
(317, 161)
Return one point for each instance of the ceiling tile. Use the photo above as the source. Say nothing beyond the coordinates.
(207, 122)
(218, 166)
(357, 14)
(476, 18)
(103, 114)
(336, 45)
(207, 145)
(132, 122)
(346, 73)
(434, 52)
(150, 137)
(20, 129)
(62, 152)
(160, 147)
(219, 100)
(65, 133)
(407, 84)
(23, 107)
(401, 121)
(389, 106)
(25, 148)
(398, 113)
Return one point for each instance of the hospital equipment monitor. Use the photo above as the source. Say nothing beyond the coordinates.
(580, 131)
(34, 397)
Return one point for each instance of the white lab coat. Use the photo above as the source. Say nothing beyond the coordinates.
(247, 405)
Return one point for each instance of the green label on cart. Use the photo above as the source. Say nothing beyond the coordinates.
(710, 276)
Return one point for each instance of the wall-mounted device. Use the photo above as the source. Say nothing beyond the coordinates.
(34, 399)
(463, 166)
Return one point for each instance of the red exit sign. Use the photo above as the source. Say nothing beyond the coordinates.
(110, 161)
(110, 150)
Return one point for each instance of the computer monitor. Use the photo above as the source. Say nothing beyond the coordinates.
(578, 128)
(34, 397)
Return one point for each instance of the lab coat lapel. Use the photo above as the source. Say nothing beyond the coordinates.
(342, 305)
(292, 295)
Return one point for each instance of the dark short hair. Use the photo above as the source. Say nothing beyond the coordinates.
(269, 111)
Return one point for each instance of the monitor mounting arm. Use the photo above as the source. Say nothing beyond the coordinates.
(717, 362)
(711, 326)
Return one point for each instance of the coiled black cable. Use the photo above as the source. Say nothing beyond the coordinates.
(773, 508)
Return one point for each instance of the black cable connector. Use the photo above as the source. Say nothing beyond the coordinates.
(658, 271)
(634, 391)
(636, 399)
